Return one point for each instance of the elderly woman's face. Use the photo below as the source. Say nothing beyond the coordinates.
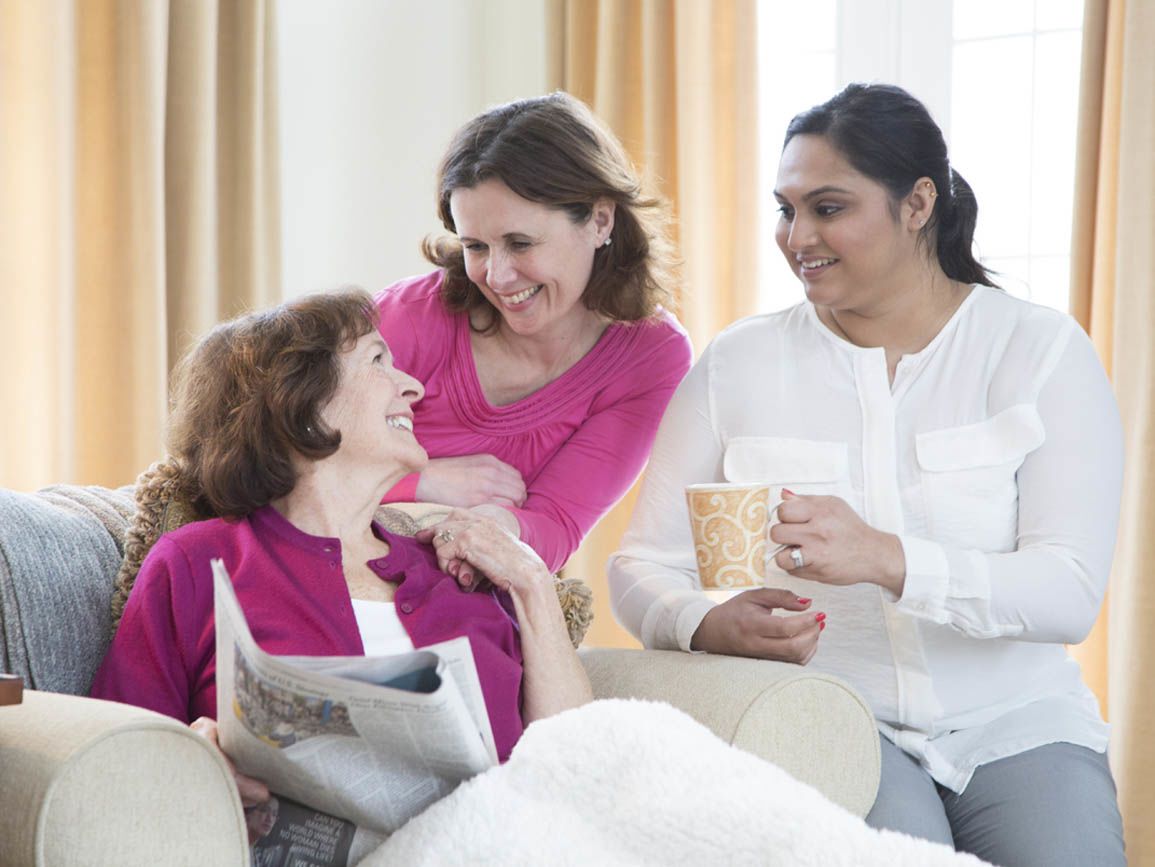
(836, 228)
(531, 262)
(373, 408)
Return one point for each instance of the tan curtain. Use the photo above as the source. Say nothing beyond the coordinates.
(137, 163)
(677, 81)
(1113, 296)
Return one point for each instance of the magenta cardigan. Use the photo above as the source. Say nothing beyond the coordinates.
(293, 592)
(579, 442)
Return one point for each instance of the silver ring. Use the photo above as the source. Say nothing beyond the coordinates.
(796, 556)
(445, 535)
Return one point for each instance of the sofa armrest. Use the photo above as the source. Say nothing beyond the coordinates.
(84, 781)
(812, 725)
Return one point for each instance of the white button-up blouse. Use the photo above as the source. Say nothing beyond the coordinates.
(995, 456)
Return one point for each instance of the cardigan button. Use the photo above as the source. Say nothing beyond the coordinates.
(406, 608)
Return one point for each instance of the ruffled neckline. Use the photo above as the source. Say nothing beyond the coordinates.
(587, 376)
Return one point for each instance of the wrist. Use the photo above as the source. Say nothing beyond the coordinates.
(536, 603)
(535, 592)
(702, 640)
(891, 569)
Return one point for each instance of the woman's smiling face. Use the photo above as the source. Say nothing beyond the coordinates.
(841, 232)
(373, 408)
(530, 261)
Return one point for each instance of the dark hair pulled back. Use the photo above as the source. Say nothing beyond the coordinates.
(890, 137)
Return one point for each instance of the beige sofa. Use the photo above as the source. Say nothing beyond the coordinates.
(90, 782)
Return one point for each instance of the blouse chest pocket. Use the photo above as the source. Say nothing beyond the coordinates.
(969, 479)
(803, 466)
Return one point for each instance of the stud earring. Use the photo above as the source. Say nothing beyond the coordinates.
(607, 242)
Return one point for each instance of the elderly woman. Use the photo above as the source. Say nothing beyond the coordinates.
(546, 354)
(293, 423)
(949, 460)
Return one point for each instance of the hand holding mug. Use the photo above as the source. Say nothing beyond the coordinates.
(823, 539)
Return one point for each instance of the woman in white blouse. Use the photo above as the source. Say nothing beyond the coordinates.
(949, 463)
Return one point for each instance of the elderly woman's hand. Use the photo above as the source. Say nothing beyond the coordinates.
(471, 548)
(253, 792)
(746, 625)
(834, 545)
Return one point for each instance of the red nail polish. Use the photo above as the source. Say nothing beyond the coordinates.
(804, 601)
(821, 625)
(820, 616)
(789, 492)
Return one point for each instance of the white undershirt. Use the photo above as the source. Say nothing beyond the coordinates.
(381, 629)
(995, 456)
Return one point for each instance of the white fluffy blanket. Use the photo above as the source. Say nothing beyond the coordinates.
(638, 783)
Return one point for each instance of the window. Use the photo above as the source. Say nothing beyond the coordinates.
(1001, 77)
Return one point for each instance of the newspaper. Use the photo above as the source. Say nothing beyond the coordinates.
(352, 747)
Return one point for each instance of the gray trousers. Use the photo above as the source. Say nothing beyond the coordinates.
(1052, 806)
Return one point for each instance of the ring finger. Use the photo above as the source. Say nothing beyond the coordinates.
(450, 559)
(791, 558)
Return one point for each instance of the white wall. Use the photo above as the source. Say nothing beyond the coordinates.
(370, 93)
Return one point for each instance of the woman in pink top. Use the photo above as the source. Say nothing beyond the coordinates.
(546, 354)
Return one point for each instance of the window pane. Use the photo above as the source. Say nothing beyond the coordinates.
(794, 74)
(1013, 274)
(1053, 153)
(1056, 14)
(786, 25)
(1051, 281)
(991, 137)
(974, 19)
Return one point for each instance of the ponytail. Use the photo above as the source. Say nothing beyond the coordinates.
(955, 220)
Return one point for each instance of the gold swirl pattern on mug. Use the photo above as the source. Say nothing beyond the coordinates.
(730, 536)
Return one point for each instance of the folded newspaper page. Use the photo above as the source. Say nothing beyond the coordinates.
(366, 741)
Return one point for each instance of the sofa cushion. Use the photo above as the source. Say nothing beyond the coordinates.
(59, 551)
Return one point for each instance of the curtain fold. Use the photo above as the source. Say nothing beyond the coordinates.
(677, 81)
(139, 207)
(1113, 296)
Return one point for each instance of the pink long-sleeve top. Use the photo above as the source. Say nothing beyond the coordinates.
(292, 589)
(579, 442)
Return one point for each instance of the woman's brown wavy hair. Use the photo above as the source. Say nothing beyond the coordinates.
(250, 395)
(554, 151)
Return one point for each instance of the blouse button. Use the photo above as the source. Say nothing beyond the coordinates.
(406, 608)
